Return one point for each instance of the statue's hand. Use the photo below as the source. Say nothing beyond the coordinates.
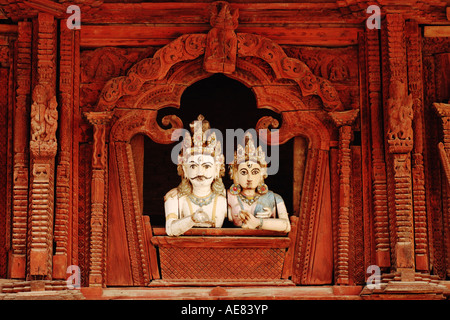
(267, 213)
(250, 221)
(200, 216)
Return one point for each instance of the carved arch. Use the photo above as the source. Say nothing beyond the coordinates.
(282, 97)
(191, 46)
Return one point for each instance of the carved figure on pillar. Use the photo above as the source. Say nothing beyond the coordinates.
(251, 204)
(401, 116)
(199, 200)
(44, 120)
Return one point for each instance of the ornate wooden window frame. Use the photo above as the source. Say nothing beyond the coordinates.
(132, 103)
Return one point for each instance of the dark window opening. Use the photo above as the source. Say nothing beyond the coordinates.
(226, 104)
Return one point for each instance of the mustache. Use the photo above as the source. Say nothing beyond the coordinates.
(201, 177)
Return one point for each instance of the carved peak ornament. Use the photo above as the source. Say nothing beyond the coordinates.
(222, 16)
(221, 48)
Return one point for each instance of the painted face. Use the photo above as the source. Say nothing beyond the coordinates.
(249, 174)
(200, 170)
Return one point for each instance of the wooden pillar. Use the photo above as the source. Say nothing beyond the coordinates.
(43, 147)
(379, 183)
(64, 190)
(443, 110)
(344, 121)
(6, 77)
(398, 123)
(98, 197)
(415, 79)
(17, 257)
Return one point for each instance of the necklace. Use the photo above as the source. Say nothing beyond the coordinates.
(201, 201)
(248, 201)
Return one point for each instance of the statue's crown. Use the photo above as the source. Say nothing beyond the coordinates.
(248, 152)
(200, 142)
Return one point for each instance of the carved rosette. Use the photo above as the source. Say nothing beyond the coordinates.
(99, 120)
(344, 121)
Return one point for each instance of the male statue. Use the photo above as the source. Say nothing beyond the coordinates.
(199, 200)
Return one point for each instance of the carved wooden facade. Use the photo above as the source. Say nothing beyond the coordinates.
(366, 111)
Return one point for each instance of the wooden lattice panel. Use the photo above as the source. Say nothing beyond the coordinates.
(221, 263)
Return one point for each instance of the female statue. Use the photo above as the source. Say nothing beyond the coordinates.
(251, 204)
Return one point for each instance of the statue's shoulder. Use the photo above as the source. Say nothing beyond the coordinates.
(221, 200)
(273, 195)
(171, 195)
(221, 197)
(231, 198)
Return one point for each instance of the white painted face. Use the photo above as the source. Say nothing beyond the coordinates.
(249, 175)
(200, 170)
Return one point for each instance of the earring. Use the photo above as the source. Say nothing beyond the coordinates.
(262, 188)
(235, 189)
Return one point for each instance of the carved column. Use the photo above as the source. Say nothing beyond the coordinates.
(63, 177)
(17, 258)
(6, 67)
(344, 121)
(399, 116)
(443, 110)
(98, 197)
(379, 184)
(43, 147)
(415, 78)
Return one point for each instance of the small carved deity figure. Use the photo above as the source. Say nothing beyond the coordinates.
(199, 200)
(51, 119)
(38, 112)
(251, 204)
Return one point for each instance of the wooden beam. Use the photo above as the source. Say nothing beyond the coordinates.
(8, 28)
(437, 31)
(182, 13)
(224, 232)
(221, 242)
(142, 35)
(100, 36)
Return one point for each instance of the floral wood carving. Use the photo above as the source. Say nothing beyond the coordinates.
(144, 121)
(285, 67)
(186, 47)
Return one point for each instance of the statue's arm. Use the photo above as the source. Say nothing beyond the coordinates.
(174, 225)
(222, 211)
(281, 223)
